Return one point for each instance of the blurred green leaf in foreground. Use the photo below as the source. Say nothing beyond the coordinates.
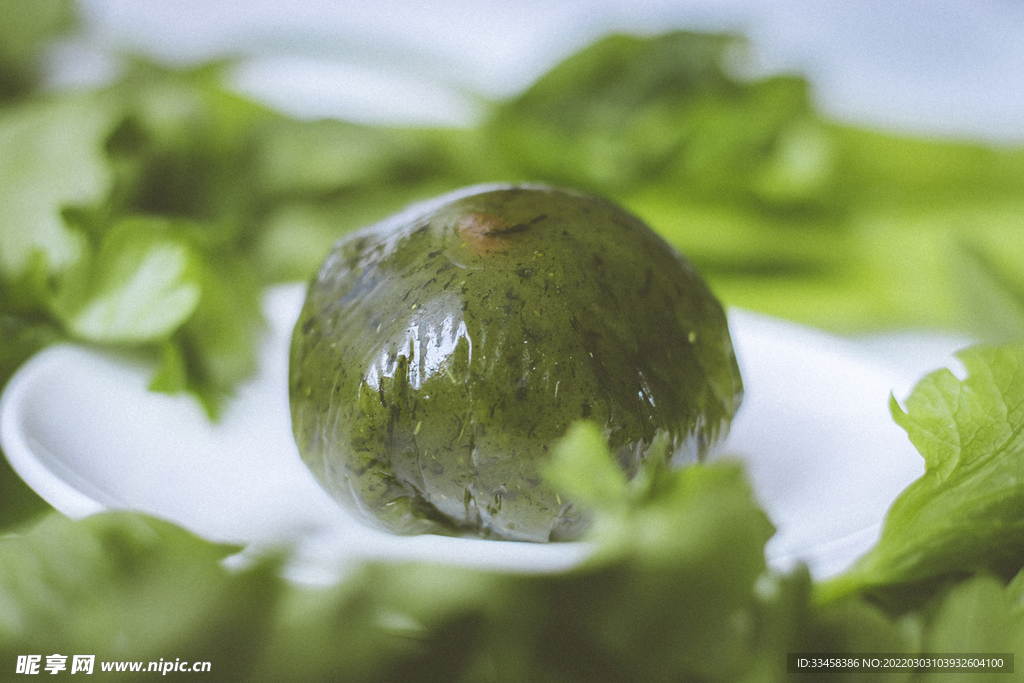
(677, 591)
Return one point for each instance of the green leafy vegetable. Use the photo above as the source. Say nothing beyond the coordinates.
(678, 590)
(129, 215)
(966, 514)
(605, 487)
(124, 586)
(975, 616)
(26, 26)
(629, 111)
(137, 287)
(51, 155)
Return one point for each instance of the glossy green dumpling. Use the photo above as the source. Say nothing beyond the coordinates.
(441, 353)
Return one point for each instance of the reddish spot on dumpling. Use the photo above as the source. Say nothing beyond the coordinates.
(486, 233)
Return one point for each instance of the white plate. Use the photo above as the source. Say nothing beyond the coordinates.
(80, 426)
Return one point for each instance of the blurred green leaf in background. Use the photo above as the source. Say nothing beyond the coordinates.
(26, 26)
(781, 209)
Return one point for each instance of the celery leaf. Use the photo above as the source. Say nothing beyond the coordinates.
(966, 513)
